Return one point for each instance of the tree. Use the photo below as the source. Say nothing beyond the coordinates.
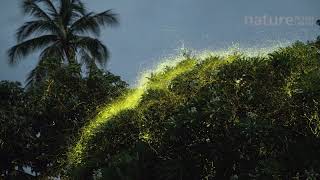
(233, 117)
(63, 29)
(59, 107)
(38, 123)
(318, 38)
(15, 131)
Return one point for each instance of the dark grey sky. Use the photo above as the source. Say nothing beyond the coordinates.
(152, 29)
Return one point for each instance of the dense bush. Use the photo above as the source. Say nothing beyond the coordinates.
(234, 117)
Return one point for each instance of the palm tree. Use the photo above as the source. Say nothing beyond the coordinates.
(63, 30)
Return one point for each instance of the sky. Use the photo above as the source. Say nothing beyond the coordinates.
(151, 30)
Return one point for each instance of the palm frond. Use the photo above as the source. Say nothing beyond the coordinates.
(85, 58)
(70, 10)
(98, 51)
(35, 27)
(79, 7)
(86, 25)
(50, 6)
(89, 62)
(106, 18)
(23, 49)
(65, 12)
(91, 22)
(55, 51)
(31, 7)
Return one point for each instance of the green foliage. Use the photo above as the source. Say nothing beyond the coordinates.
(39, 122)
(232, 117)
(15, 131)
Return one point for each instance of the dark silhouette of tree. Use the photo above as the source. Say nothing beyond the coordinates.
(38, 123)
(15, 131)
(318, 23)
(63, 29)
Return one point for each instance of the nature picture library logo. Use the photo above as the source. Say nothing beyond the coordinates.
(281, 20)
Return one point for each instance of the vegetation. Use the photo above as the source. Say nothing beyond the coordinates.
(38, 123)
(40, 120)
(61, 29)
(234, 117)
(221, 117)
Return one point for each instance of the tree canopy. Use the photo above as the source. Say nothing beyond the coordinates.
(234, 117)
(39, 123)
